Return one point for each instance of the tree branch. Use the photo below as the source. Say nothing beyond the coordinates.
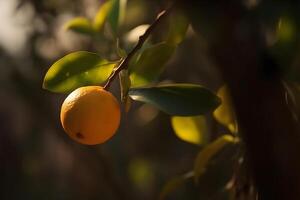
(125, 62)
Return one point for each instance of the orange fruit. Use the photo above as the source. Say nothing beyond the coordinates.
(90, 115)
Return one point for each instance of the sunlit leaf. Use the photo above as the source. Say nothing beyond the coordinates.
(75, 70)
(208, 152)
(190, 129)
(213, 183)
(286, 49)
(113, 17)
(121, 52)
(102, 14)
(286, 30)
(122, 10)
(141, 173)
(117, 14)
(150, 64)
(178, 27)
(224, 114)
(80, 25)
(285, 52)
(177, 99)
(173, 184)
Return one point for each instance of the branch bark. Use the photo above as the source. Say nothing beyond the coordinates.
(142, 39)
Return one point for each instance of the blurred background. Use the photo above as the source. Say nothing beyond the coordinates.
(37, 159)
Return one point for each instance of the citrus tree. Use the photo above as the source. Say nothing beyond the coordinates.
(257, 84)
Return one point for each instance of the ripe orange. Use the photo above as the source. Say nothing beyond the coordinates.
(90, 115)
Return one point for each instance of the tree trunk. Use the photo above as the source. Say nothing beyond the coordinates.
(267, 127)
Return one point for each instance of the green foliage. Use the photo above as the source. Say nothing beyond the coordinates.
(217, 161)
(216, 181)
(75, 70)
(117, 14)
(284, 50)
(150, 64)
(100, 18)
(121, 52)
(174, 184)
(152, 60)
(112, 11)
(286, 30)
(80, 25)
(206, 154)
(177, 99)
(191, 129)
(185, 102)
(224, 114)
(141, 173)
(178, 27)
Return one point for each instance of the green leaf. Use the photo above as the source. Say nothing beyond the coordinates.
(191, 129)
(122, 10)
(224, 114)
(177, 99)
(207, 153)
(173, 184)
(141, 173)
(286, 30)
(75, 70)
(285, 51)
(150, 64)
(117, 14)
(178, 27)
(220, 169)
(102, 14)
(80, 25)
(121, 52)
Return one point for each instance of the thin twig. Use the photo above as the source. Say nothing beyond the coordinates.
(125, 62)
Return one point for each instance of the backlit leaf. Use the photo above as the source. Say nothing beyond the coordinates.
(286, 31)
(177, 99)
(121, 52)
(213, 183)
(80, 25)
(75, 70)
(224, 114)
(190, 129)
(173, 184)
(141, 173)
(285, 50)
(178, 27)
(117, 14)
(102, 14)
(205, 155)
(150, 64)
